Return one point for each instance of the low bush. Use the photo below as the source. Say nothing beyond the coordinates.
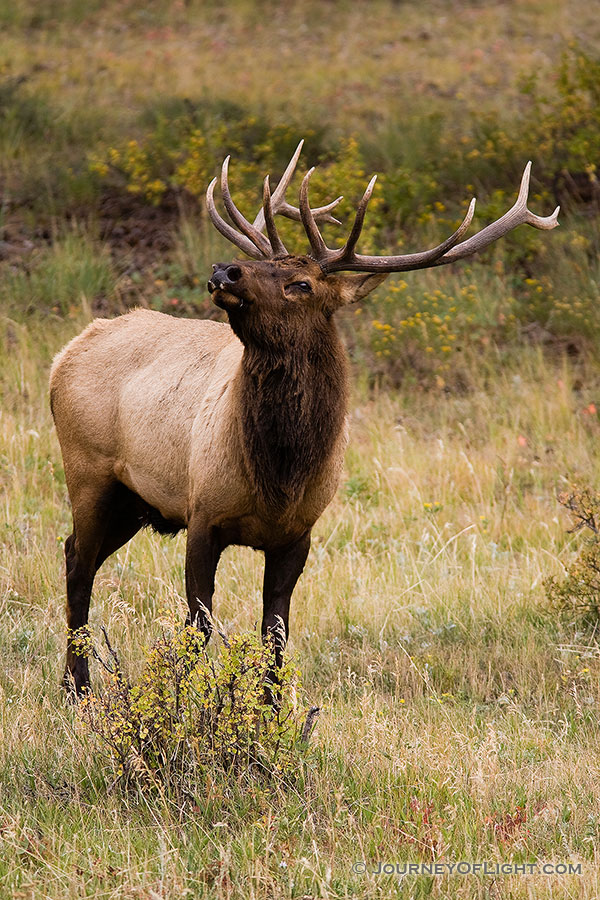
(190, 713)
(578, 594)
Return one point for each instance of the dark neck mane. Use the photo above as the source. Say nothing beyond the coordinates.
(293, 405)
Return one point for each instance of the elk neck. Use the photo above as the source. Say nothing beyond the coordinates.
(293, 404)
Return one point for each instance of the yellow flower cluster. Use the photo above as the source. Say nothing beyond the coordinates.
(194, 171)
(430, 323)
(135, 165)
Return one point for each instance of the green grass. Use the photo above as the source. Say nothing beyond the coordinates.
(459, 709)
(61, 279)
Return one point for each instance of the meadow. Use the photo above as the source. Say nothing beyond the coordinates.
(459, 702)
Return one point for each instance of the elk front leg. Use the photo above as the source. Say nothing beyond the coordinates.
(283, 568)
(202, 557)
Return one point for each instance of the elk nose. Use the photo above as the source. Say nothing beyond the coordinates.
(223, 274)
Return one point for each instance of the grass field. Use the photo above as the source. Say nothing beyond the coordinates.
(459, 713)
(459, 708)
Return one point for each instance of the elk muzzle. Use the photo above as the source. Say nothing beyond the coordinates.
(223, 276)
(226, 287)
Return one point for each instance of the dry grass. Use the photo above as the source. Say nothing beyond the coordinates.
(459, 715)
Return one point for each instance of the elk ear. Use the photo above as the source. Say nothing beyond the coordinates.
(351, 288)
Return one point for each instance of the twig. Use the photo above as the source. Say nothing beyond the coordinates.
(584, 507)
(311, 718)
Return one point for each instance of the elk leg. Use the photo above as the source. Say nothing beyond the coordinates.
(102, 523)
(201, 559)
(80, 577)
(283, 568)
(81, 551)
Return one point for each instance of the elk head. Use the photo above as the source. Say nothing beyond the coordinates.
(274, 297)
(271, 298)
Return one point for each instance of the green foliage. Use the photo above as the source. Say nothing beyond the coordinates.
(578, 593)
(568, 122)
(30, 14)
(184, 146)
(557, 125)
(429, 328)
(190, 714)
(359, 488)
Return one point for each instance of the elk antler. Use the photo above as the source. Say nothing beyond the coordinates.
(250, 238)
(345, 259)
(283, 208)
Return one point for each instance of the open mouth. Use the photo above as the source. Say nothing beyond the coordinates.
(224, 298)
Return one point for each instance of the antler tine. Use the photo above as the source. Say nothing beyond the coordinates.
(280, 205)
(543, 222)
(257, 238)
(321, 213)
(225, 228)
(318, 245)
(276, 242)
(278, 196)
(348, 249)
(518, 214)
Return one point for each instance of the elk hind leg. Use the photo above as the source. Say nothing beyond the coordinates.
(104, 518)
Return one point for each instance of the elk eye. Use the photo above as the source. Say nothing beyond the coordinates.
(304, 286)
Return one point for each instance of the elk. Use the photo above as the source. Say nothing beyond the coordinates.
(234, 431)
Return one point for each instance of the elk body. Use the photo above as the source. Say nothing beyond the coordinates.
(234, 431)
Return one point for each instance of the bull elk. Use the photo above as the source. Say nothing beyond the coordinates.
(234, 431)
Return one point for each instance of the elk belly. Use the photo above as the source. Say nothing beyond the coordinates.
(154, 444)
(152, 489)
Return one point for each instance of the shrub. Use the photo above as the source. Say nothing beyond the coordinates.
(568, 123)
(579, 592)
(185, 151)
(190, 714)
